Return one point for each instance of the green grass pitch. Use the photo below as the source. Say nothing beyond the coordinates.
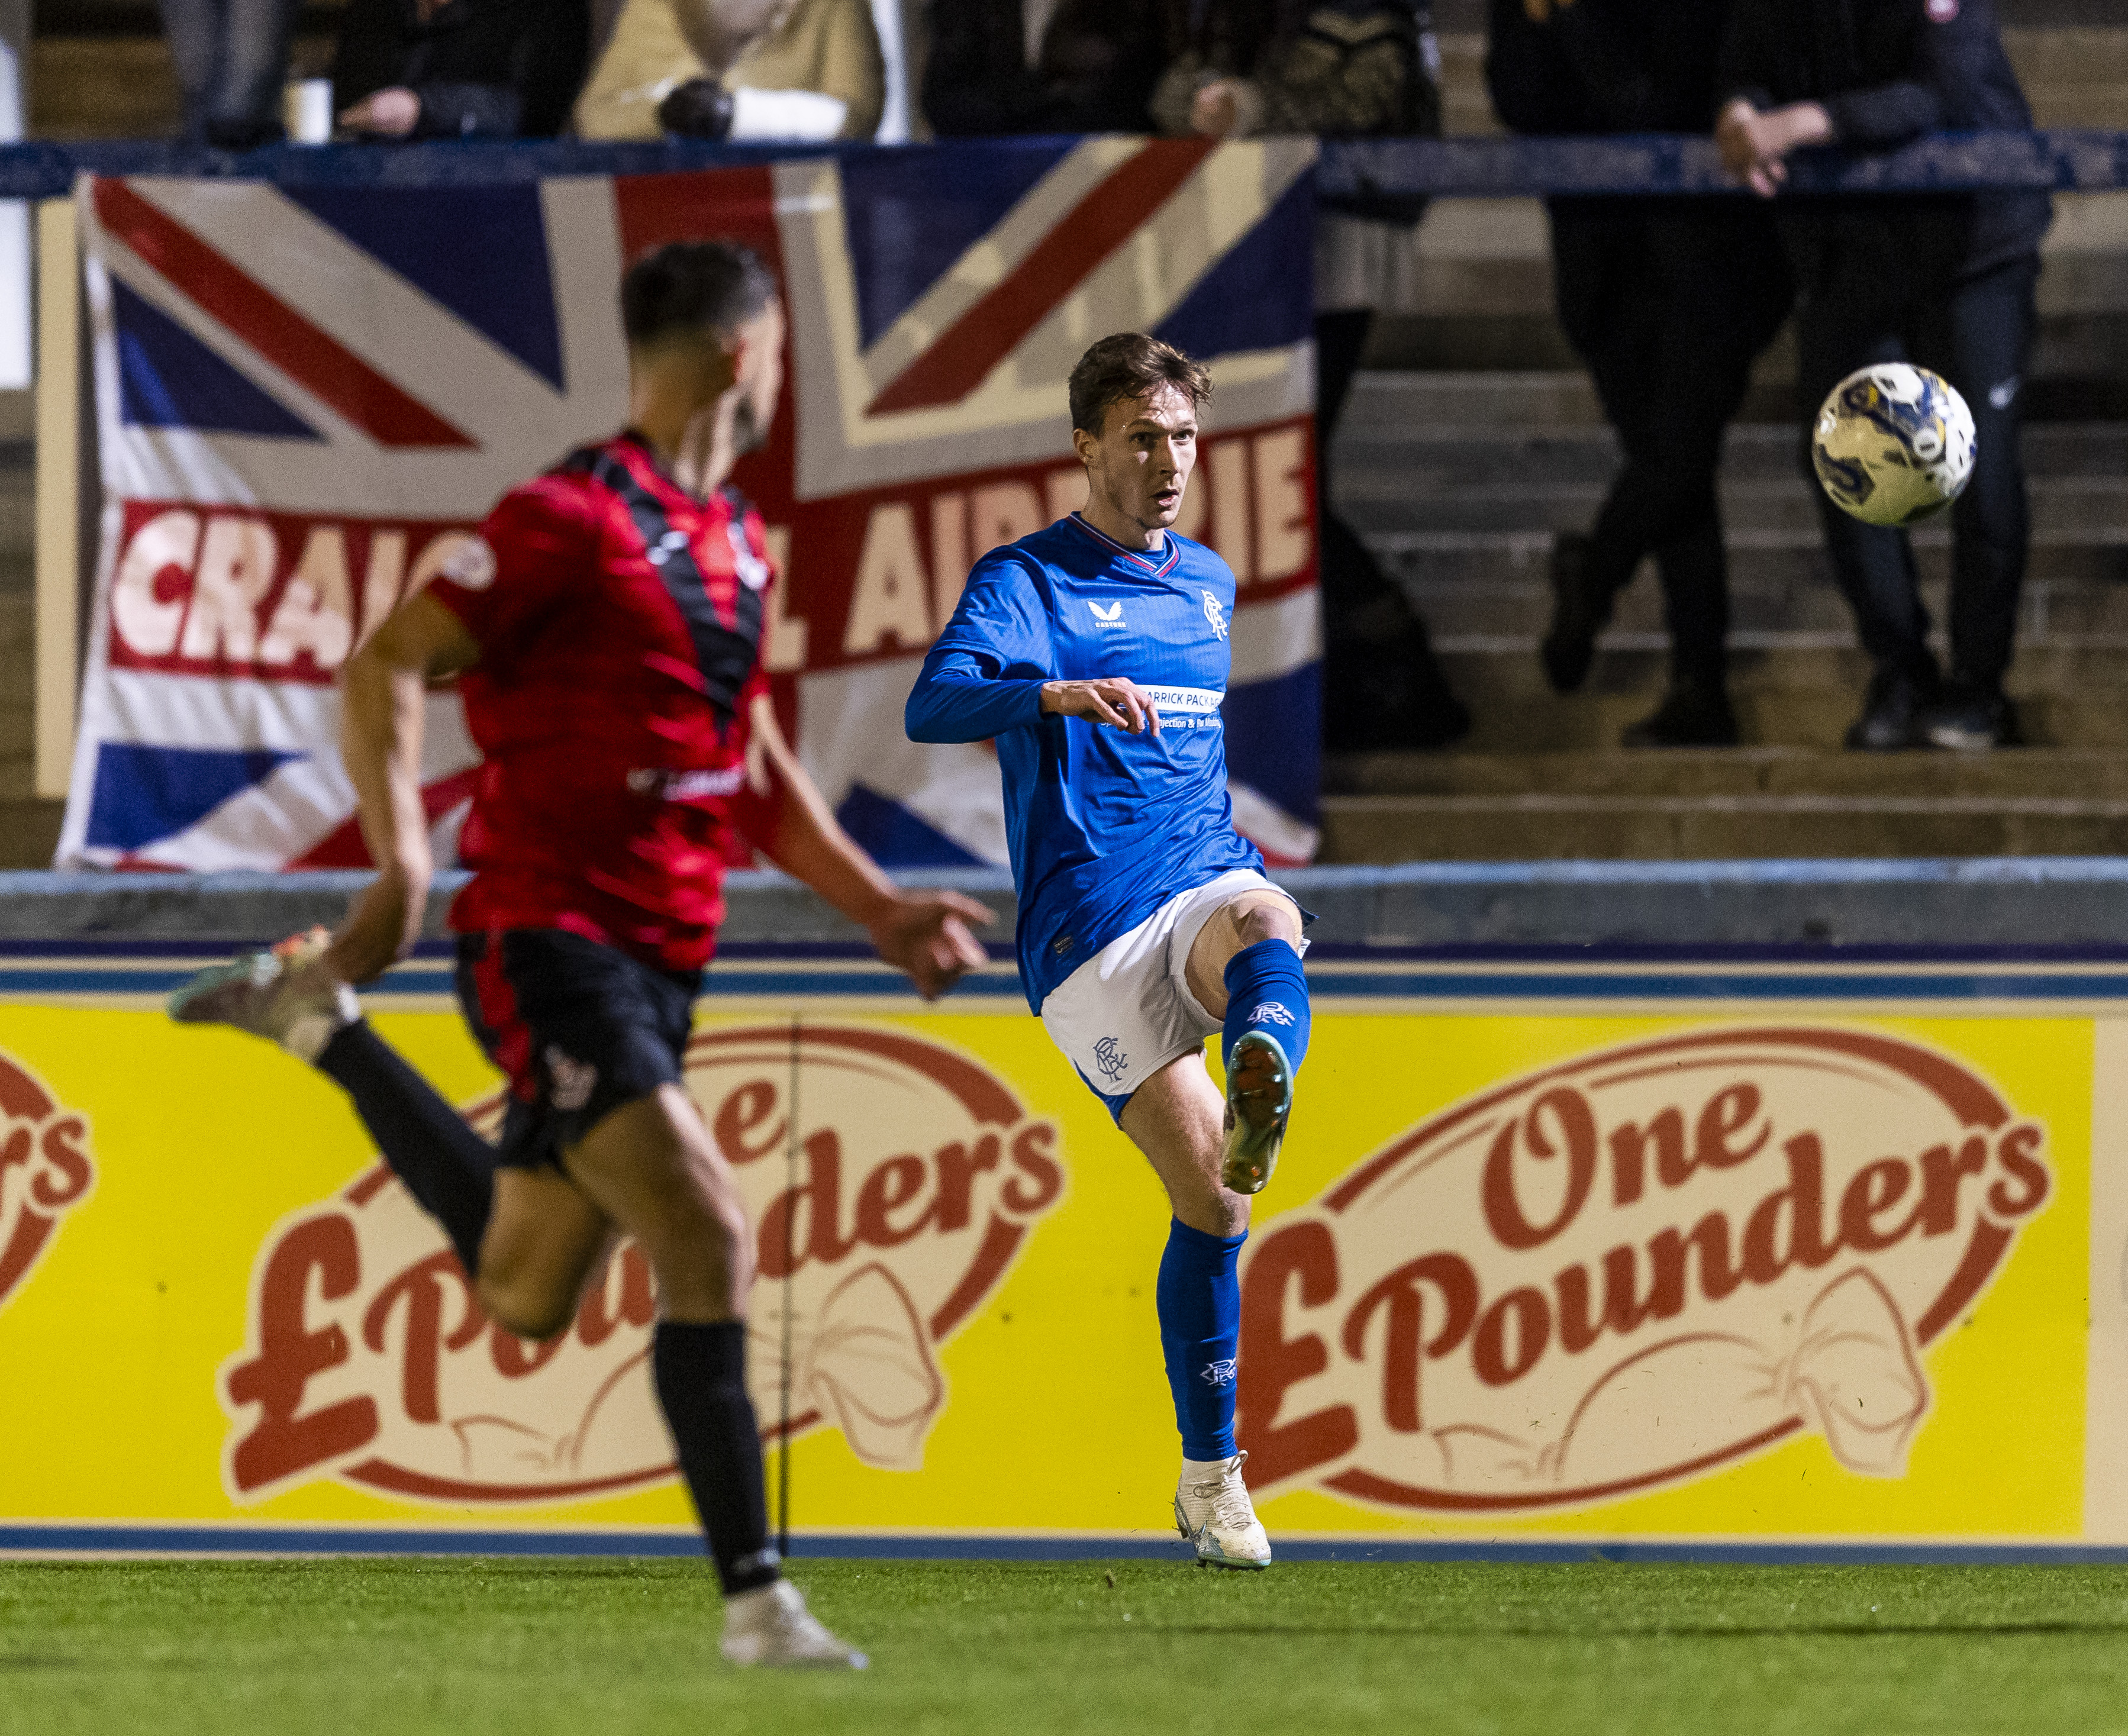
(528, 1647)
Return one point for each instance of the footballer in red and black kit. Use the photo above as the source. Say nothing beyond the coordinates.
(606, 630)
(619, 621)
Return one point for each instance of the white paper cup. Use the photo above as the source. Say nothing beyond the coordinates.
(306, 110)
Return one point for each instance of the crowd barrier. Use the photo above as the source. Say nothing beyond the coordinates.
(2063, 161)
(1720, 1211)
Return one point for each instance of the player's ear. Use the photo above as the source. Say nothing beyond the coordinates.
(1086, 445)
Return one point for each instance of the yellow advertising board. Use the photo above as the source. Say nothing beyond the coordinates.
(1559, 1253)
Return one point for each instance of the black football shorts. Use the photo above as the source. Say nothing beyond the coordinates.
(578, 1028)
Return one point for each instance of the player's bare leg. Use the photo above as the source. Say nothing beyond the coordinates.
(1263, 1057)
(544, 1238)
(651, 1167)
(1175, 1118)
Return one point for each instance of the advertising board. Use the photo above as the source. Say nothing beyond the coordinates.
(1695, 1253)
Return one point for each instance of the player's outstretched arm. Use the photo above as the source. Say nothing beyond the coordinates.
(382, 694)
(925, 934)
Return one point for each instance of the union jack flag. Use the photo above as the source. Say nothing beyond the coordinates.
(307, 395)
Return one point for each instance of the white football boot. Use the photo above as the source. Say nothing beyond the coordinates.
(1214, 1510)
(772, 1626)
(285, 995)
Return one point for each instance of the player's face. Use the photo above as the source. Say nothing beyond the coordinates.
(1141, 463)
(757, 377)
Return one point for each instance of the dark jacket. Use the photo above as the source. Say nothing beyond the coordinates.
(1887, 71)
(1095, 73)
(1342, 69)
(482, 69)
(1339, 69)
(1639, 66)
(1606, 66)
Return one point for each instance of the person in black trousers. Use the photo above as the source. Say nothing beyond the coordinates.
(1946, 281)
(1667, 302)
(460, 68)
(1089, 67)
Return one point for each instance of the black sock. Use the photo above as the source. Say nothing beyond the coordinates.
(446, 1165)
(701, 1383)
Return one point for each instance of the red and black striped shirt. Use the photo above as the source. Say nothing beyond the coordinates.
(620, 624)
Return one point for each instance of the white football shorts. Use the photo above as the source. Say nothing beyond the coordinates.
(1128, 1011)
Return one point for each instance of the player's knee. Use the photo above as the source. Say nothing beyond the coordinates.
(525, 1306)
(1273, 919)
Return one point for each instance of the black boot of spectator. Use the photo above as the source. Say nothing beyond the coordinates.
(1688, 717)
(1580, 609)
(1972, 718)
(1891, 719)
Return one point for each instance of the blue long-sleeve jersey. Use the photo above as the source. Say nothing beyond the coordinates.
(1103, 826)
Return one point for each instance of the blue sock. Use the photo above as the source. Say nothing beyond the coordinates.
(1199, 1299)
(1267, 991)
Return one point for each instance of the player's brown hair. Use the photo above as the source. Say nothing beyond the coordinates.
(1129, 364)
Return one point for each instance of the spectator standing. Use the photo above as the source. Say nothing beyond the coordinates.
(1946, 281)
(1000, 67)
(1342, 69)
(230, 58)
(460, 68)
(815, 73)
(1667, 302)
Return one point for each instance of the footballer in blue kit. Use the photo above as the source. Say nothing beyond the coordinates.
(1096, 654)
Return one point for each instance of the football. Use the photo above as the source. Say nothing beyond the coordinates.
(1893, 443)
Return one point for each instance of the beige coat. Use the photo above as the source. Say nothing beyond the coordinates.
(824, 46)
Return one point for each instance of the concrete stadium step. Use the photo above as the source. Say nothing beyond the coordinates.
(1481, 298)
(1785, 696)
(1507, 619)
(2064, 509)
(1391, 441)
(1489, 566)
(2055, 773)
(1474, 806)
(1383, 829)
(1458, 483)
(100, 69)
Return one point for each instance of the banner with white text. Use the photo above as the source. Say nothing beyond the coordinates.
(308, 396)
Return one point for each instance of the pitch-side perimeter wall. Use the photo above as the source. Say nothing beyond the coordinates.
(1642, 1242)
